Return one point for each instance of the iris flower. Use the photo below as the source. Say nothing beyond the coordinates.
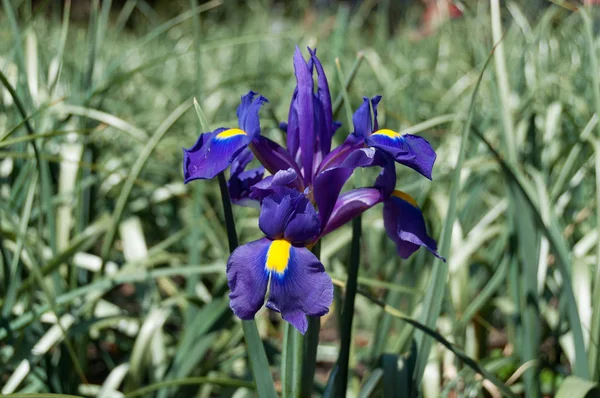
(302, 200)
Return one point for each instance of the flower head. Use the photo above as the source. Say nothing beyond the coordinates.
(302, 200)
(296, 280)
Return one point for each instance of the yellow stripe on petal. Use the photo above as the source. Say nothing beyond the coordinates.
(405, 197)
(278, 256)
(387, 133)
(229, 133)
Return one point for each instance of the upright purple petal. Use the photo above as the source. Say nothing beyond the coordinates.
(350, 205)
(293, 129)
(405, 225)
(247, 113)
(363, 123)
(212, 153)
(362, 119)
(410, 150)
(324, 98)
(303, 289)
(320, 128)
(305, 114)
(289, 216)
(248, 277)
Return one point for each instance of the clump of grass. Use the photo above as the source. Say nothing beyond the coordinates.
(99, 232)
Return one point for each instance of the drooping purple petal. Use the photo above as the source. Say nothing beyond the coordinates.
(410, 150)
(305, 113)
(248, 278)
(326, 188)
(272, 155)
(405, 225)
(386, 180)
(247, 113)
(337, 155)
(304, 289)
(351, 204)
(290, 216)
(238, 165)
(328, 183)
(212, 153)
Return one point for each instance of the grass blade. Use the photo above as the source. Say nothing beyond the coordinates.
(434, 295)
(135, 172)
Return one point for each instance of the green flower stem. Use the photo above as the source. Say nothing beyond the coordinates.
(348, 311)
(256, 351)
(311, 342)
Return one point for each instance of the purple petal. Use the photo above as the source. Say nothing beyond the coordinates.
(241, 161)
(247, 278)
(324, 98)
(410, 150)
(240, 186)
(212, 153)
(405, 225)
(363, 126)
(290, 216)
(305, 225)
(305, 113)
(362, 119)
(272, 155)
(304, 289)
(275, 184)
(292, 129)
(350, 205)
(386, 181)
(329, 183)
(327, 187)
(337, 156)
(247, 113)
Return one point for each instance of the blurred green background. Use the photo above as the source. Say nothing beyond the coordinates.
(98, 230)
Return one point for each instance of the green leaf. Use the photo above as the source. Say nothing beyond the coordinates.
(574, 387)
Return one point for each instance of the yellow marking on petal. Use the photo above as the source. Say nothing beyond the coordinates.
(278, 256)
(406, 197)
(230, 133)
(387, 133)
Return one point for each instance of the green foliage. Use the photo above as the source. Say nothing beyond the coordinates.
(112, 273)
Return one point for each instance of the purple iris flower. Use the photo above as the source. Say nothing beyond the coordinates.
(296, 280)
(302, 200)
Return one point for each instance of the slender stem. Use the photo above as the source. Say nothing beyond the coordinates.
(256, 351)
(348, 311)
(311, 342)
(228, 212)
